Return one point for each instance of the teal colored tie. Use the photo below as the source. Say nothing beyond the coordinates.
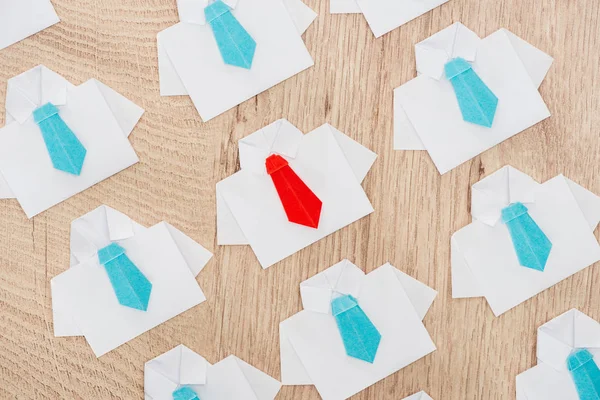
(185, 393)
(476, 101)
(65, 150)
(531, 244)
(130, 285)
(235, 44)
(585, 374)
(361, 338)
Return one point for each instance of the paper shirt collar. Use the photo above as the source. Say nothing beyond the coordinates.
(340, 279)
(281, 137)
(192, 11)
(434, 52)
(505, 186)
(96, 230)
(33, 88)
(565, 333)
(177, 367)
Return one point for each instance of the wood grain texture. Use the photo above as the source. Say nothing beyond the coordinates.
(417, 210)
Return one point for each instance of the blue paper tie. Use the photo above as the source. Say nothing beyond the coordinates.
(531, 244)
(130, 285)
(476, 101)
(235, 44)
(185, 393)
(65, 150)
(361, 338)
(585, 374)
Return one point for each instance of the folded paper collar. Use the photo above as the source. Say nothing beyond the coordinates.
(340, 279)
(564, 334)
(96, 230)
(419, 396)
(32, 89)
(434, 52)
(495, 192)
(280, 137)
(192, 11)
(179, 366)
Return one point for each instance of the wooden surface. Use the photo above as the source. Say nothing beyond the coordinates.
(417, 210)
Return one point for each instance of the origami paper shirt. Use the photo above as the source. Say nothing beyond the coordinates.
(429, 116)
(314, 353)
(485, 260)
(191, 53)
(183, 370)
(384, 16)
(83, 297)
(568, 353)
(329, 163)
(23, 18)
(91, 121)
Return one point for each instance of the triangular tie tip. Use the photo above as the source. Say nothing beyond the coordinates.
(130, 285)
(476, 101)
(301, 205)
(64, 148)
(235, 44)
(360, 337)
(529, 241)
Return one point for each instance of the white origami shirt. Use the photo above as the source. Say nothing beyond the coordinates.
(484, 261)
(101, 119)
(83, 300)
(384, 16)
(426, 111)
(20, 19)
(312, 351)
(230, 378)
(249, 210)
(190, 62)
(550, 378)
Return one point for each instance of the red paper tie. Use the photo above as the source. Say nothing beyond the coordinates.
(301, 205)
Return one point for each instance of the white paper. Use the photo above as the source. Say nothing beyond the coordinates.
(230, 378)
(419, 396)
(301, 14)
(550, 379)
(101, 118)
(312, 351)
(20, 19)
(126, 112)
(384, 16)
(190, 61)
(83, 301)
(426, 112)
(249, 209)
(484, 262)
(344, 7)
(196, 256)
